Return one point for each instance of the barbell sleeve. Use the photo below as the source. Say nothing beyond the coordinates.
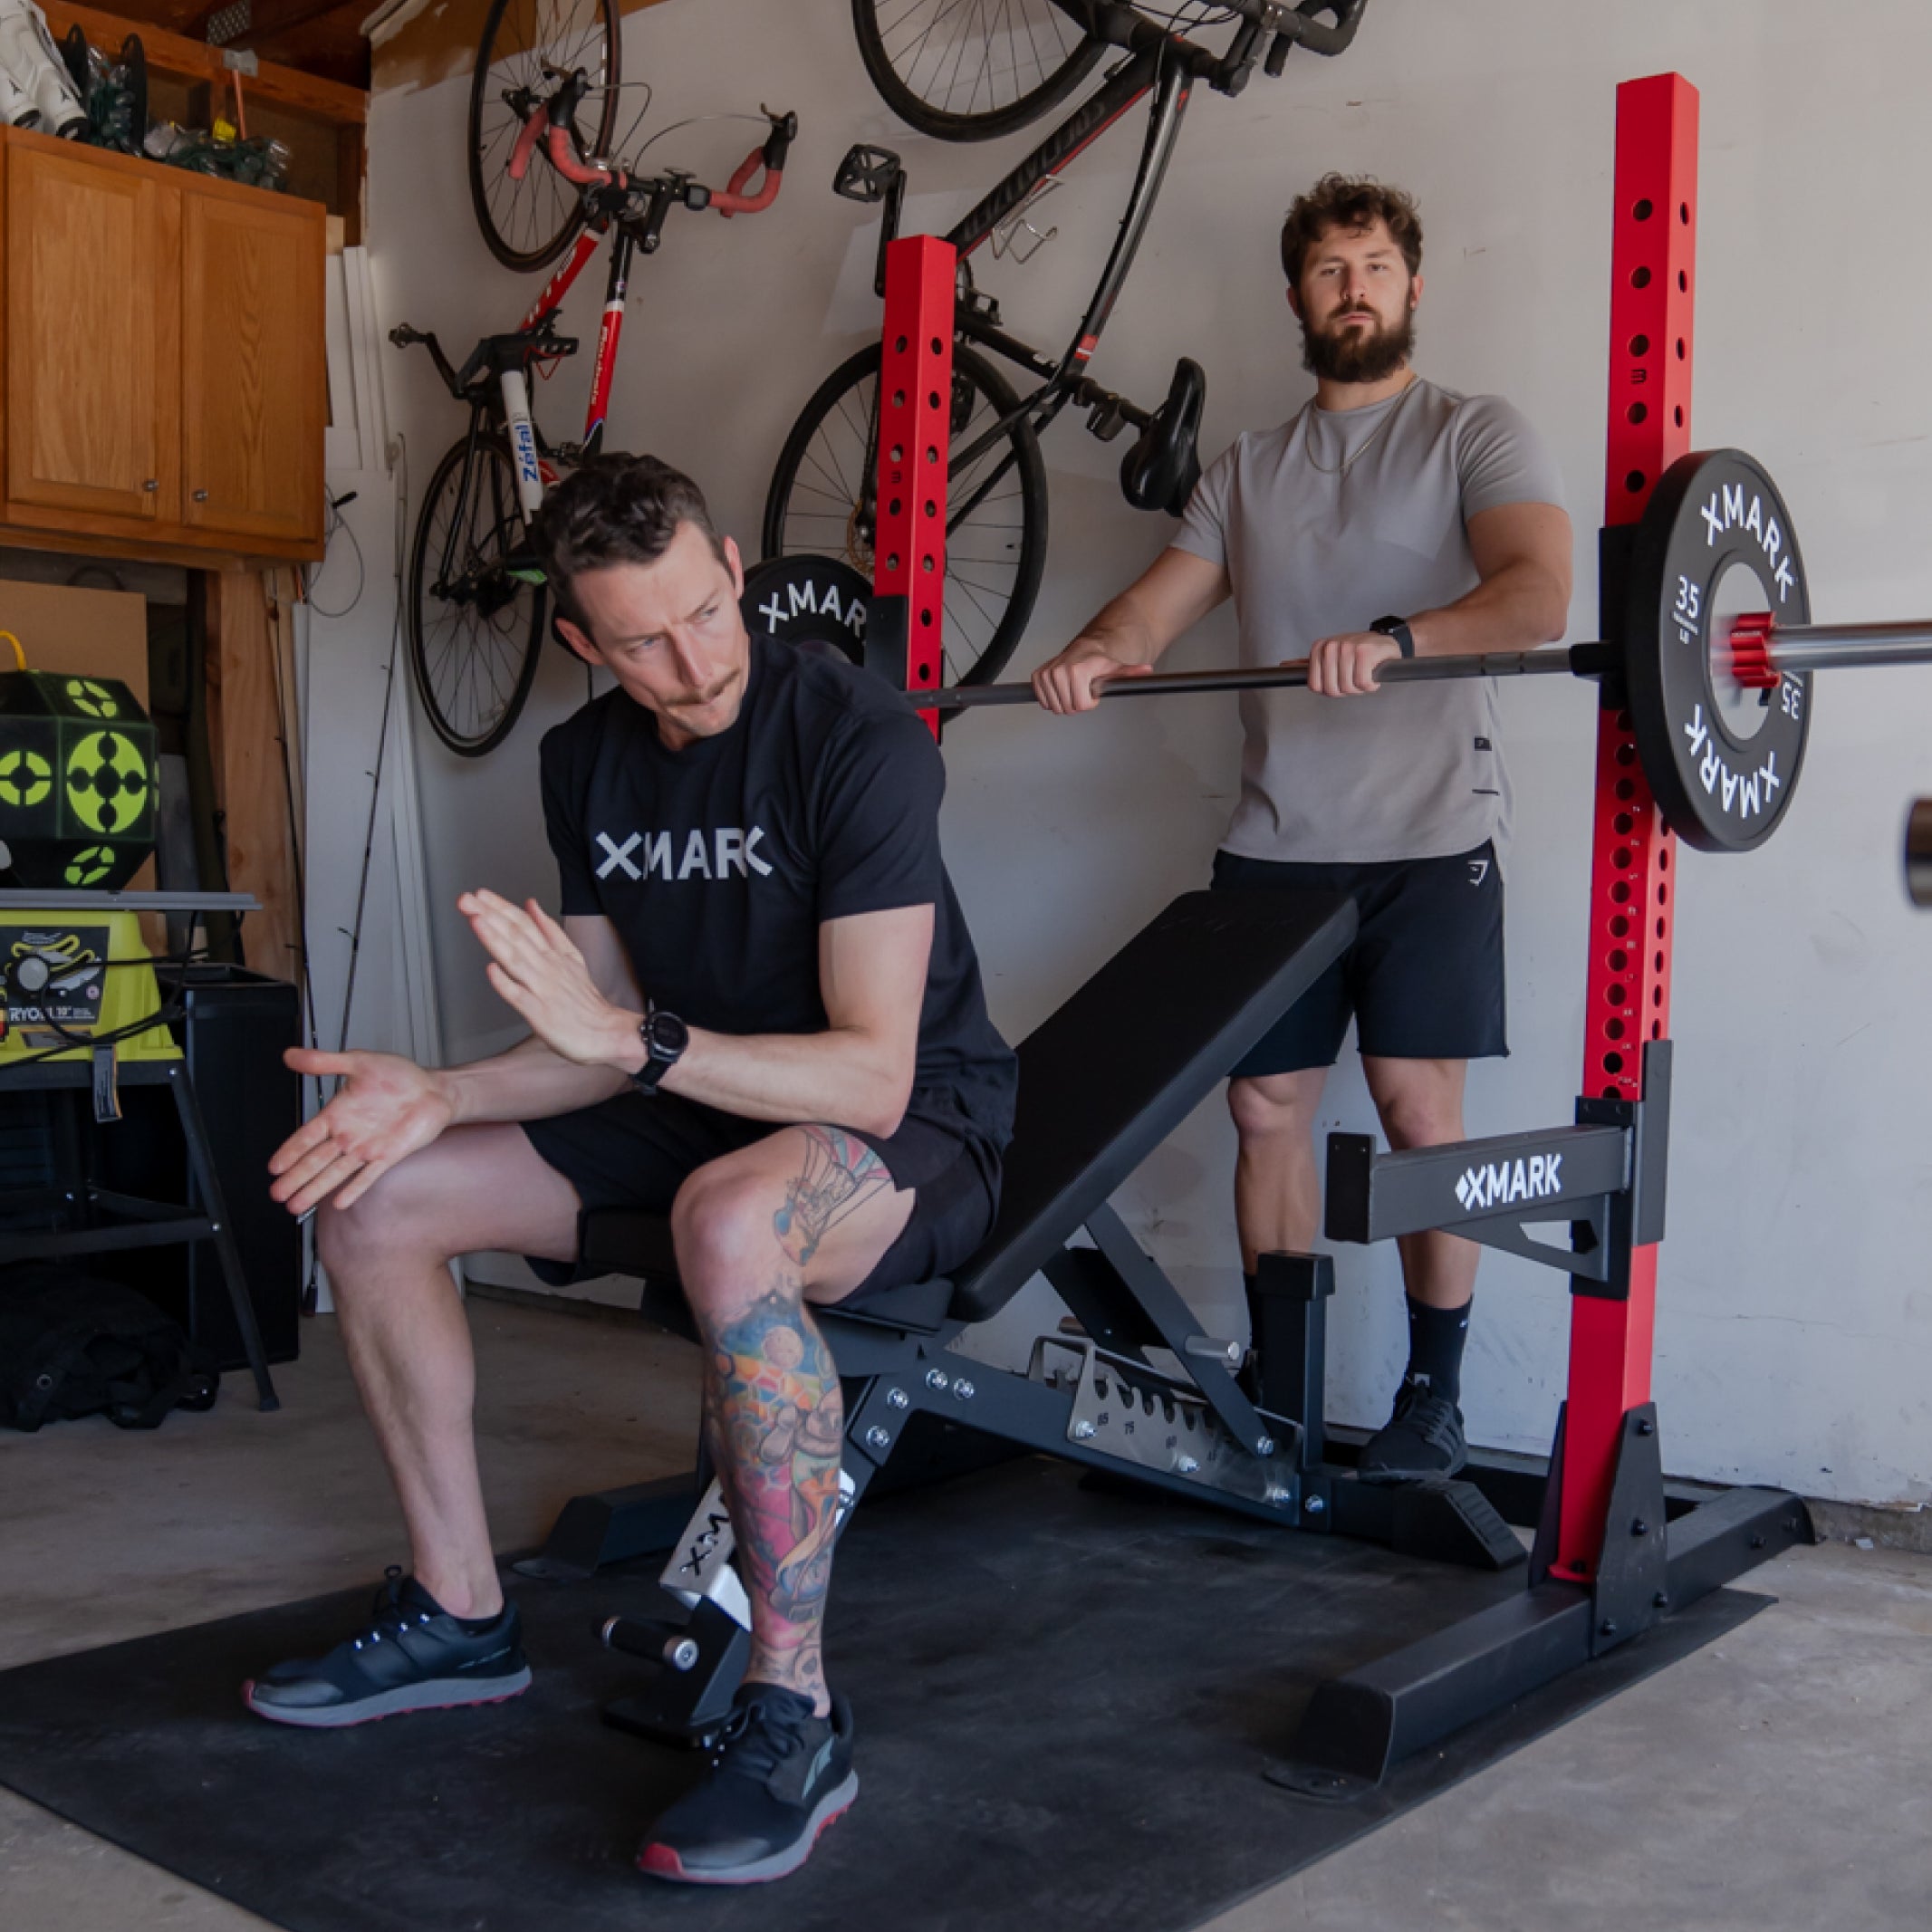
(1828, 647)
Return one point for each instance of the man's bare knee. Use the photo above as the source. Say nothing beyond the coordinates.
(1272, 1110)
(721, 1228)
(382, 1229)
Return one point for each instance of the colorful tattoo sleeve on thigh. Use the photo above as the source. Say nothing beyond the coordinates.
(780, 1425)
(838, 1173)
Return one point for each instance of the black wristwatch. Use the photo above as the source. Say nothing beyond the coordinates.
(665, 1038)
(1397, 629)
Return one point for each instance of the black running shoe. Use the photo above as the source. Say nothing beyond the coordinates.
(1422, 1437)
(778, 1777)
(413, 1656)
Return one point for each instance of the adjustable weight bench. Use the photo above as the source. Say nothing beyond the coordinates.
(1103, 1081)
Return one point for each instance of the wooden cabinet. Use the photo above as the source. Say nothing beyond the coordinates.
(165, 391)
(252, 386)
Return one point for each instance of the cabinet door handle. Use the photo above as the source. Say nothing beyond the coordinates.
(201, 495)
(153, 483)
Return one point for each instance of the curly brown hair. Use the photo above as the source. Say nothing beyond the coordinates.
(615, 509)
(1351, 202)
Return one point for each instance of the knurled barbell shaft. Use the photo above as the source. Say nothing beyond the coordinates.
(1576, 660)
(1795, 648)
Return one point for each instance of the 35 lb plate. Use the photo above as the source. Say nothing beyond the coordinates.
(1723, 759)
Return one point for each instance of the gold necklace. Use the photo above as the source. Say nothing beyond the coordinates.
(1349, 461)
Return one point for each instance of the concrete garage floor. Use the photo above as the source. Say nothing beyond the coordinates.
(1779, 1782)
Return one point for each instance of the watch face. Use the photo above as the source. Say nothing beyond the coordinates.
(669, 1034)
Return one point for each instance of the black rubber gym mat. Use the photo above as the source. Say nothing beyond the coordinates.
(1065, 1699)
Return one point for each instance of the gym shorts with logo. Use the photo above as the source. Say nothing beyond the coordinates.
(1423, 979)
(636, 1149)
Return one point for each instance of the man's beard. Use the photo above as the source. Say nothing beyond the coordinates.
(1358, 355)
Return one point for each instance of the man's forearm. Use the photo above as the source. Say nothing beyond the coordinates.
(1517, 609)
(1123, 629)
(845, 1077)
(528, 1082)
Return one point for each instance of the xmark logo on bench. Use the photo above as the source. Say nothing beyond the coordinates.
(1534, 1179)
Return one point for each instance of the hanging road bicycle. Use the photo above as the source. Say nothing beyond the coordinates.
(966, 69)
(475, 589)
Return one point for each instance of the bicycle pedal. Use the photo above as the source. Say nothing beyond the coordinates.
(866, 174)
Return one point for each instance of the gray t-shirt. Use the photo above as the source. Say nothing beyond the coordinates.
(1313, 548)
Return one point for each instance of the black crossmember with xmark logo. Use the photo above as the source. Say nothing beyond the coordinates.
(1604, 1177)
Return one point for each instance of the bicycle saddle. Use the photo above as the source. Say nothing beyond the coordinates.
(1159, 471)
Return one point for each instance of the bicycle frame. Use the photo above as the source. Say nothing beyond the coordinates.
(1159, 62)
(634, 212)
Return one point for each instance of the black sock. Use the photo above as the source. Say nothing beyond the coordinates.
(477, 1626)
(1435, 1338)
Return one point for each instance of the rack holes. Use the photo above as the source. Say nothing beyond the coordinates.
(1640, 345)
(1637, 412)
(1640, 278)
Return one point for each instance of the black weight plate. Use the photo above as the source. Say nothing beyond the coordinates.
(1722, 788)
(818, 603)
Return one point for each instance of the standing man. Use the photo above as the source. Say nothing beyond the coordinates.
(761, 1013)
(1389, 517)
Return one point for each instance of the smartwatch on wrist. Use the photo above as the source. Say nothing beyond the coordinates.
(1397, 629)
(665, 1038)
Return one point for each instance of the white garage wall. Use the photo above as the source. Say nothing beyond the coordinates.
(1795, 1311)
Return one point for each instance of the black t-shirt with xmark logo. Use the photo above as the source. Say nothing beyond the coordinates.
(718, 863)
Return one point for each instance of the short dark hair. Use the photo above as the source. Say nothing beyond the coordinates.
(615, 509)
(1351, 202)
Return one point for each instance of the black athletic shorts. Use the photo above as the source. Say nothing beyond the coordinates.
(636, 1150)
(1423, 979)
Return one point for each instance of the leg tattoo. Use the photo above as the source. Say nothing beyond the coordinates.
(779, 1424)
(839, 1174)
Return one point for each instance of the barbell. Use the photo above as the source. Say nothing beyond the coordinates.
(1710, 638)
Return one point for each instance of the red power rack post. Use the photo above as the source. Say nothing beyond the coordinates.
(903, 635)
(1633, 871)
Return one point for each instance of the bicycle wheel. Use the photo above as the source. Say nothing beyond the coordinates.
(822, 500)
(526, 45)
(970, 70)
(475, 630)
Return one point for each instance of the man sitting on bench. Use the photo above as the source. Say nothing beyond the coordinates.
(761, 1014)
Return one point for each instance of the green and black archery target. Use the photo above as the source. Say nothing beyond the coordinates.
(1723, 759)
(109, 783)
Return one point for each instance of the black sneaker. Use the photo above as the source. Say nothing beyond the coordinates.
(414, 1656)
(778, 1777)
(1422, 1437)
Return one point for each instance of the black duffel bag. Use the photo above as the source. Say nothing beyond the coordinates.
(72, 1344)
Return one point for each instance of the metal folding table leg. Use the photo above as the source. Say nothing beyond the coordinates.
(208, 1186)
